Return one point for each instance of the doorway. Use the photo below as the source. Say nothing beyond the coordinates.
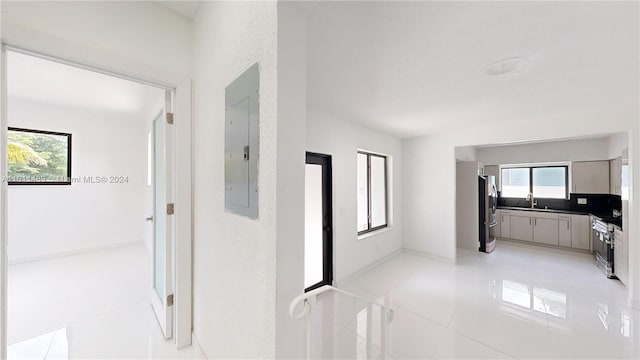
(107, 115)
(318, 257)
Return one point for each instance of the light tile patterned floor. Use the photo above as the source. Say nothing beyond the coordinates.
(517, 302)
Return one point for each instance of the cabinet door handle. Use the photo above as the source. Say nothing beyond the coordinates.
(529, 221)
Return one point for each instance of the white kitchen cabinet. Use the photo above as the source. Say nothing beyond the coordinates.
(581, 232)
(521, 228)
(505, 224)
(620, 255)
(564, 231)
(545, 231)
(590, 177)
(615, 176)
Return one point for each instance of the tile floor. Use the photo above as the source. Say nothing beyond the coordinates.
(87, 306)
(518, 302)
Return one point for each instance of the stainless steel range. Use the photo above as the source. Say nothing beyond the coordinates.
(603, 245)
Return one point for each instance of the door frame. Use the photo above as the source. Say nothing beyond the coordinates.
(324, 160)
(182, 154)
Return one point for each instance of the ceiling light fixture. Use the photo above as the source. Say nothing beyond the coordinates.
(514, 65)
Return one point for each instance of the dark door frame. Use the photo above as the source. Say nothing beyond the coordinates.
(327, 217)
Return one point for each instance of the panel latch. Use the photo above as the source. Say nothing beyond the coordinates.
(246, 153)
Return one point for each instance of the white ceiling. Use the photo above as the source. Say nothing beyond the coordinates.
(53, 83)
(188, 9)
(413, 68)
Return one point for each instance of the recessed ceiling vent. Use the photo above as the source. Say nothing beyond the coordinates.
(510, 66)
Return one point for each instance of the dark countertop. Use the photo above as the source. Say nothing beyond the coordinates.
(604, 217)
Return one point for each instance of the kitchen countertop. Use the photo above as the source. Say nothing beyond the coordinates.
(604, 217)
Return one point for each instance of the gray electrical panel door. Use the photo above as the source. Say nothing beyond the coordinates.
(241, 144)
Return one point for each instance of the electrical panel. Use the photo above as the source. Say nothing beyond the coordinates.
(241, 143)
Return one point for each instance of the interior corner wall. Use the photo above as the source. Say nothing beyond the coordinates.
(291, 145)
(234, 293)
(466, 153)
(342, 139)
(617, 143)
(51, 220)
(430, 173)
(467, 205)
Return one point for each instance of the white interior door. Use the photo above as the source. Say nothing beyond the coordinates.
(162, 286)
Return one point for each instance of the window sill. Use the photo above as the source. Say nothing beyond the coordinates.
(374, 233)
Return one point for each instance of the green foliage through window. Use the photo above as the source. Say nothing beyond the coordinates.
(38, 157)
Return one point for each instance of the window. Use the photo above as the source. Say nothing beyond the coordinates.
(541, 181)
(372, 192)
(36, 157)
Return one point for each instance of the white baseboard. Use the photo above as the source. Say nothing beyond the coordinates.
(337, 283)
(195, 343)
(429, 256)
(72, 252)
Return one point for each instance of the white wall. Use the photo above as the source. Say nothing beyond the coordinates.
(552, 151)
(234, 257)
(52, 220)
(342, 139)
(140, 32)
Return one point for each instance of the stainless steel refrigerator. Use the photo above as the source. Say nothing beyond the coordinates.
(488, 200)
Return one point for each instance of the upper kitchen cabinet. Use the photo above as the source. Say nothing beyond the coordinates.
(615, 176)
(590, 177)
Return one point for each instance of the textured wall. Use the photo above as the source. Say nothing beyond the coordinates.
(234, 257)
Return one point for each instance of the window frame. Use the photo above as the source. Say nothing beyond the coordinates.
(370, 229)
(44, 132)
(535, 166)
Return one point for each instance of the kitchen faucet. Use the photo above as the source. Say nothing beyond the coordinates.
(533, 201)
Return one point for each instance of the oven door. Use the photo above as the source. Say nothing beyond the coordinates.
(599, 243)
(603, 251)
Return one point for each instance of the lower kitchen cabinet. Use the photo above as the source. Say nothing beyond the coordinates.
(505, 224)
(521, 228)
(548, 228)
(580, 232)
(545, 231)
(564, 231)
